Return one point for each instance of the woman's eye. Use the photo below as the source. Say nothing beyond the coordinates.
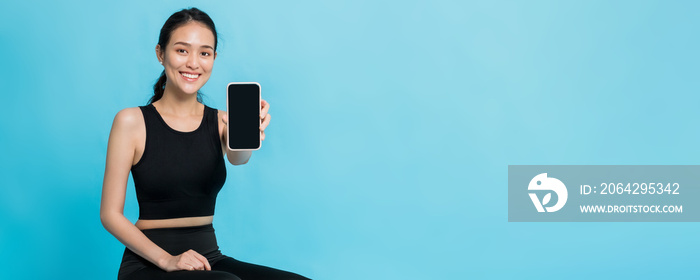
(205, 54)
(181, 51)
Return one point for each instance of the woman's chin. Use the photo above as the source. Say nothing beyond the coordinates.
(189, 90)
(186, 88)
(192, 88)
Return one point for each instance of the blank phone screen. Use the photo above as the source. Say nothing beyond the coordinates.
(244, 116)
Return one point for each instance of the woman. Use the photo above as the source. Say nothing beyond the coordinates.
(174, 148)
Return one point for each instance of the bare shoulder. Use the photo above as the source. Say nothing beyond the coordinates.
(221, 113)
(220, 116)
(128, 119)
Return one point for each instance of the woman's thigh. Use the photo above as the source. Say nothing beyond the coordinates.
(248, 271)
(151, 273)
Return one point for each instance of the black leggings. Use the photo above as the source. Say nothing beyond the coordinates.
(201, 239)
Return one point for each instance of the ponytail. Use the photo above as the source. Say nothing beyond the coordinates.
(158, 88)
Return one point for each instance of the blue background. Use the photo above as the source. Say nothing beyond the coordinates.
(393, 126)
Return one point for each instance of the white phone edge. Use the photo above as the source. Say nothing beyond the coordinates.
(228, 146)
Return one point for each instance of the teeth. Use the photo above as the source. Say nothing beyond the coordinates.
(191, 76)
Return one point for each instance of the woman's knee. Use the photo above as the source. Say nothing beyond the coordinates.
(222, 275)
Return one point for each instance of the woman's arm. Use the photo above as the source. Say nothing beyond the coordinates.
(127, 126)
(241, 157)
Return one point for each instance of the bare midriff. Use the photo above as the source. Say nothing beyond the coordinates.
(176, 222)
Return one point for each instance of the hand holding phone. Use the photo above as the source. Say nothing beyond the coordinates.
(243, 106)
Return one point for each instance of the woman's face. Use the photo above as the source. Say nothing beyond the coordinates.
(188, 57)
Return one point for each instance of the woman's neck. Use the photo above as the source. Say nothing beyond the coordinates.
(179, 103)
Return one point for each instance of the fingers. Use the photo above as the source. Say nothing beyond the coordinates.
(190, 265)
(265, 118)
(265, 123)
(191, 260)
(205, 262)
(265, 108)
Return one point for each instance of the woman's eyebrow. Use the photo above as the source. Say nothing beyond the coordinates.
(189, 45)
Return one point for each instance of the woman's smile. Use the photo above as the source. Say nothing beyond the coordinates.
(190, 77)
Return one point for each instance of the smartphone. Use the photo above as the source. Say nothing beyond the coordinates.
(243, 108)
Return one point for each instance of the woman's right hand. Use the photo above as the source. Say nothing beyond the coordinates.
(189, 260)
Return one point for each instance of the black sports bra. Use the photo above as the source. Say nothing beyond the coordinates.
(180, 173)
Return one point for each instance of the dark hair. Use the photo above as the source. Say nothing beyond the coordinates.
(174, 21)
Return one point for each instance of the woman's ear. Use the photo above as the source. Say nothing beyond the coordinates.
(159, 54)
(214, 55)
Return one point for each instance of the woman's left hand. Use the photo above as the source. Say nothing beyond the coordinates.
(265, 117)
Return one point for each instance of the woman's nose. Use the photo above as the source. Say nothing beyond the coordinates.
(192, 61)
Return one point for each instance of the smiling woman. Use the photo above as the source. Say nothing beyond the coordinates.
(189, 59)
(192, 37)
(174, 149)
